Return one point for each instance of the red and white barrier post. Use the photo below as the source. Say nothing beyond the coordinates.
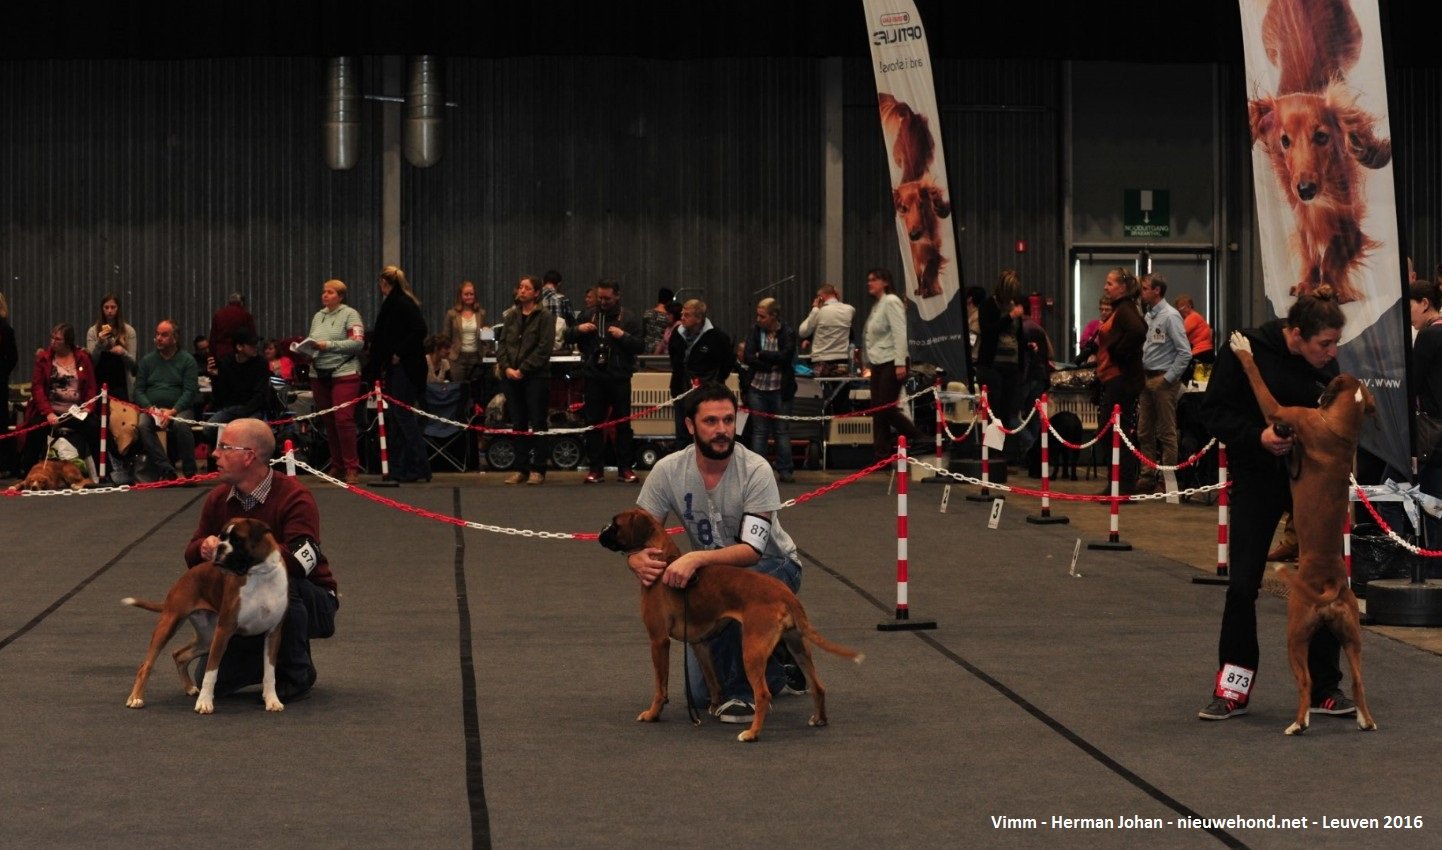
(1347, 542)
(1114, 541)
(289, 459)
(940, 424)
(386, 480)
(1224, 522)
(104, 429)
(1045, 517)
(903, 619)
(985, 494)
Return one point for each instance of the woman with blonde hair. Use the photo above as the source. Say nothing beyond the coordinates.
(335, 378)
(111, 343)
(398, 357)
(464, 323)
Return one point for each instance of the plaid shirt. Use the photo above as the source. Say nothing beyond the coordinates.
(250, 501)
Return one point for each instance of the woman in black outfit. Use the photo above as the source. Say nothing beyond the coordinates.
(398, 354)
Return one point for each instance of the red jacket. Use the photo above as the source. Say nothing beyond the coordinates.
(290, 512)
(226, 321)
(39, 406)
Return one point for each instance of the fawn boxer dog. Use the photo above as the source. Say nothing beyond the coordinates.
(1326, 443)
(243, 591)
(766, 609)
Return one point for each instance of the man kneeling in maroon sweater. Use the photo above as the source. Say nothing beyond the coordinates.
(251, 489)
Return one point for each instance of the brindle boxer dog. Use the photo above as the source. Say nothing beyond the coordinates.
(1326, 443)
(766, 609)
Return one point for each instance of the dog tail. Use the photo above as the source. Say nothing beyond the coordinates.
(803, 623)
(1305, 592)
(155, 607)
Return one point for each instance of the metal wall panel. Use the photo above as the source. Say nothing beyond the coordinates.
(173, 184)
(700, 175)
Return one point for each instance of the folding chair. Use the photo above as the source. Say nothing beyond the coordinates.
(447, 445)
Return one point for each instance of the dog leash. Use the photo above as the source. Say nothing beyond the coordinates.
(685, 644)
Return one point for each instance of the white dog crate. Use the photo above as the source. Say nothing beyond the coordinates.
(852, 430)
(649, 389)
(1074, 401)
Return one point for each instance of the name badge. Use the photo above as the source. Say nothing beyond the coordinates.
(1234, 682)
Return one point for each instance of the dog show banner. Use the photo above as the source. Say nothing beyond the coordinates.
(930, 282)
(1326, 203)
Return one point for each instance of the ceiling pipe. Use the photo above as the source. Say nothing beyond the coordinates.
(341, 128)
(425, 102)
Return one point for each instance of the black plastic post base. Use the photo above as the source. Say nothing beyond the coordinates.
(384, 482)
(1400, 602)
(1111, 545)
(906, 625)
(938, 478)
(1222, 580)
(1047, 519)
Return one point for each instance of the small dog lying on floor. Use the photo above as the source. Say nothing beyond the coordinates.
(766, 609)
(52, 475)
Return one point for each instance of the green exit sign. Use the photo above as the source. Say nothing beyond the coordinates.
(1148, 213)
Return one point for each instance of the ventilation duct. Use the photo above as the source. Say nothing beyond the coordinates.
(424, 105)
(341, 128)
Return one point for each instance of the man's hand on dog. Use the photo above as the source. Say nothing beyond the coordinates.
(207, 548)
(647, 564)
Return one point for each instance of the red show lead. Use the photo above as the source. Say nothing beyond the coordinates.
(903, 619)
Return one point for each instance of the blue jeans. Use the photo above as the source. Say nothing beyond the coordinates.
(762, 427)
(726, 646)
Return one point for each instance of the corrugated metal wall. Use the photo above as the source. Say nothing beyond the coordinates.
(173, 184)
(688, 175)
(177, 182)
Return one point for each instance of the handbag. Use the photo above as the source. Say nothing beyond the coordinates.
(1428, 436)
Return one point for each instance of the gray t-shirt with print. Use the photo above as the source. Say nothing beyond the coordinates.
(713, 518)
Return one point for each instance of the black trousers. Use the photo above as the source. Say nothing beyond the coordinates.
(1258, 500)
(310, 614)
(526, 404)
(1114, 393)
(607, 399)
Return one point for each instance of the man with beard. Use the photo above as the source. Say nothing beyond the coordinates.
(726, 497)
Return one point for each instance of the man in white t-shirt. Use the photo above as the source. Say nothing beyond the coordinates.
(712, 485)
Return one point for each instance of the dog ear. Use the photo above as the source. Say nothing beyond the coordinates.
(1357, 128)
(1262, 116)
(938, 200)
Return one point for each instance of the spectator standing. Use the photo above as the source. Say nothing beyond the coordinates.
(167, 385)
(609, 337)
(1199, 333)
(523, 358)
(111, 342)
(559, 306)
(1037, 378)
(464, 322)
(771, 384)
(1166, 353)
(886, 352)
(828, 326)
(1000, 360)
(1119, 364)
(226, 321)
(700, 353)
(656, 321)
(398, 357)
(1087, 348)
(335, 376)
(1426, 301)
(62, 379)
(9, 359)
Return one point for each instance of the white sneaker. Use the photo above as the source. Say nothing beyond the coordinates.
(736, 711)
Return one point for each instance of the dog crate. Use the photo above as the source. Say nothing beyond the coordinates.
(649, 389)
(1074, 401)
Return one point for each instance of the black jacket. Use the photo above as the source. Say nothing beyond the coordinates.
(709, 359)
(782, 359)
(245, 385)
(1230, 411)
(400, 331)
(602, 356)
(525, 342)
